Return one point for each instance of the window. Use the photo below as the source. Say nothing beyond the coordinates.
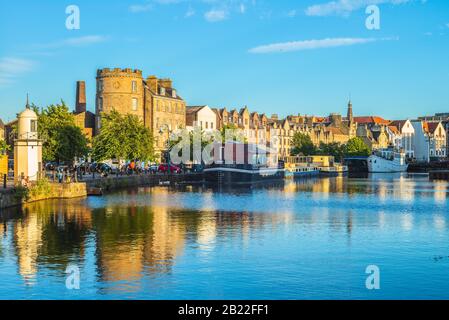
(207, 125)
(100, 85)
(211, 125)
(33, 126)
(135, 104)
(134, 86)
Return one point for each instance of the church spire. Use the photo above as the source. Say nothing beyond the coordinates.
(350, 114)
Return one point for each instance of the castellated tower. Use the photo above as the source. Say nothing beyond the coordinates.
(121, 90)
(154, 101)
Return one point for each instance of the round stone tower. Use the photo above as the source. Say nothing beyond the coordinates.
(121, 90)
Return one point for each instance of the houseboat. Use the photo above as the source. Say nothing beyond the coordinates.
(387, 161)
(299, 167)
(242, 163)
(328, 166)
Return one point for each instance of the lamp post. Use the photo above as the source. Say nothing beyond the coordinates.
(163, 128)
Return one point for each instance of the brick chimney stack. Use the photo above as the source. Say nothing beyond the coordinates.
(80, 97)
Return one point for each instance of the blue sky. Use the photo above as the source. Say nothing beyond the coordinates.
(284, 56)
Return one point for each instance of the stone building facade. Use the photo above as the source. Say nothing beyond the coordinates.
(154, 101)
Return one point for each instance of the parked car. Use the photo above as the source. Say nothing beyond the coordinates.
(104, 168)
(173, 169)
(154, 168)
(50, 166)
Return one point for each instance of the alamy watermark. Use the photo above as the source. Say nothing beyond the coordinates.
(372, 22)
(231, 146)
(73, 21)
(373, 280)
(72, 281)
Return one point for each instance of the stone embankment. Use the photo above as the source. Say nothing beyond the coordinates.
(45, 190)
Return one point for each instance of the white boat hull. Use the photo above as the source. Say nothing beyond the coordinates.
(380, 165)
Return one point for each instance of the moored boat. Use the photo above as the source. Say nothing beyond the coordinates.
(387, 161)
(241, 174)
(299, 167)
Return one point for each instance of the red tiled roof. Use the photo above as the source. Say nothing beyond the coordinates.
(394, 129)
(371, 119)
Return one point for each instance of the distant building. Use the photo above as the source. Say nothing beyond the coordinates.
(444, 119)
(429, 141)
(374, 131)
(407, 135)
(154, 101)
(84, 119)
(201, 116)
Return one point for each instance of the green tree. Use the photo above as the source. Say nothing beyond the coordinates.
(302, 144)
(357, 147)
(4, 147)
(237, 134)
(335, 149)
(123, 137)
(63, 139)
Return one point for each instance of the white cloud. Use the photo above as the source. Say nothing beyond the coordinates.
(292, 13)
(190, 12)
(11, 68)
(312, 44)
(136, 8)
(216, 15)
(345, 7)
(84, 41)
(74, 42)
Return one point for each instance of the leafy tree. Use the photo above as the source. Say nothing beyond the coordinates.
(238, 134)
(335, 149)
(302, 144)
(357, 147)
(63, 139)
(4, 147)
(123, 137)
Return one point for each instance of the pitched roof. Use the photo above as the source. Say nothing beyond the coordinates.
(398, 123)
(425, 126)
(394, 129)
(194, 109)
(432, 126)
(335, 130)
(371, 119)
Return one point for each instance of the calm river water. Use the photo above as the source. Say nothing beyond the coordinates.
(306, 240)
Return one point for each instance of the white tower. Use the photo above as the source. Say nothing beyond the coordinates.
(27, 147)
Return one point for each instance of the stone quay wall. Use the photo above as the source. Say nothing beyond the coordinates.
(18, 196)
(15, 197)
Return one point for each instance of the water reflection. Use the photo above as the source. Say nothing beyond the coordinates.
(135, 240)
